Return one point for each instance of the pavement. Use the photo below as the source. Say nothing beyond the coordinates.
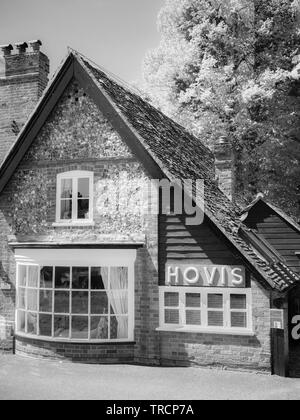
(29, 379)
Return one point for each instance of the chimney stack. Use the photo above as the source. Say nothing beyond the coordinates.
(6, 49)
(224, 163)
(24, 72)
(21, 47)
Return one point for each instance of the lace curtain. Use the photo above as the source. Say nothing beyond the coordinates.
(119, 297)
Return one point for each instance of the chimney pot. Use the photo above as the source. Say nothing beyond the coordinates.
(35, 45)
(21, 47)
(6, 49)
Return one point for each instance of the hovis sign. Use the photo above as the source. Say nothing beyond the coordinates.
(205, 275)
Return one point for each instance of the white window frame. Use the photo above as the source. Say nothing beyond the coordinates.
(74, 258)
(204, 328)
(75, 176)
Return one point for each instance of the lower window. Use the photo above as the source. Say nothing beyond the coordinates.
(205, 308)
(74, 303)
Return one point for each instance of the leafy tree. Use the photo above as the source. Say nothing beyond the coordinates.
(231, 69)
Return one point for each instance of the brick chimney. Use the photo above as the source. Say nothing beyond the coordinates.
(224, 163)
(23, 77)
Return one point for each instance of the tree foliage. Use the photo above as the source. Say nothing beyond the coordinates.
(231, 69)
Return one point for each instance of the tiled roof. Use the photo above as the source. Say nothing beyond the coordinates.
(260, 198)
(181, 156)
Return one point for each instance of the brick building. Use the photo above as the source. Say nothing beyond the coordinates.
(96, 264)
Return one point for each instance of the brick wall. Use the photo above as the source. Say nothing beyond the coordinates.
(76, 352)
(225, 351)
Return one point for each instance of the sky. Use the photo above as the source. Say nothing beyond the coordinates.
(115, 34)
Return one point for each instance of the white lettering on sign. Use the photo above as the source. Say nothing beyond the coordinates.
(296, 329)
(210, 276)
(237, 274)
(188, 279)
(173, 274)
(206, 276)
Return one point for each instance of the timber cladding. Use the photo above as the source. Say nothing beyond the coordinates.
(283, 236)
(180, 243)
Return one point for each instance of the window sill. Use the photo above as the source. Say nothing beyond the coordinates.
(30, 337)
(74, 224)
(223, 331)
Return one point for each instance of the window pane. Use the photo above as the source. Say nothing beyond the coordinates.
(192, 300)
(238, 302)
(215, 318)
(21, 321)
(80, 327)
(22, 275)
(83, 209)
(119, 278)
(33, 275)
(99, 303)
(31, 323)
(46, 278)
(21, 298)
(171, 316)
(80, 278)
(66, 188)
(65, 209)
(119, 302)
(239, 319)
(215, 301)
(62, 277)
(45, 301)
(83, 188)
(171, 299)
(80, 302)
(61, 326)
(99, 278)
(99, 327)
(32, 299)
(193, 317)
(118, 327)
(45, 325)
(61, 302)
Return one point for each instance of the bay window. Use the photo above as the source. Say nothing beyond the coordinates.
(75, 302)
(205, 309)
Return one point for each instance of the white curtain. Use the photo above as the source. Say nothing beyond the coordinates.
(119, 297)
(31, 295)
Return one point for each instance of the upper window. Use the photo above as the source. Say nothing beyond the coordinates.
(74, 197)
